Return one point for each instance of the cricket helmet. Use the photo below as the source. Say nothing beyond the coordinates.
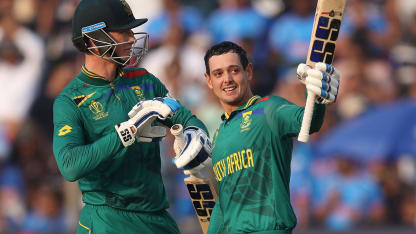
(93, 19)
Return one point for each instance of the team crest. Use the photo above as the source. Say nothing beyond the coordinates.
(245, 121)
(97, 109)
(126, 7)
(138, 92)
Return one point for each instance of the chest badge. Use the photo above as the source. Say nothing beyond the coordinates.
(245, 121)
(97, 109)
(138, 92)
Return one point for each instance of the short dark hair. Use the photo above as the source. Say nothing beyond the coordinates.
(223, 48)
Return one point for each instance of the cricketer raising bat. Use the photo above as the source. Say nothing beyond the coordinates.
(326, 26)
(201, 189)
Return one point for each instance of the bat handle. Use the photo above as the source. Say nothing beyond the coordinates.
(177, 131)
(307, 118)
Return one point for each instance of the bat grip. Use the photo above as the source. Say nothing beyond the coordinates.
(307, 118)
(177, 131)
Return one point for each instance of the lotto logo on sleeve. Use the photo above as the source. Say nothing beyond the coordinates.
(326, 34)
(64, 130)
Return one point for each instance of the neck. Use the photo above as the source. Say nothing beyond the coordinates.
(230, 107)
(102, 67)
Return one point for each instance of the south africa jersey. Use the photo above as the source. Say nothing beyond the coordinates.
(88, 150)
(251, 160)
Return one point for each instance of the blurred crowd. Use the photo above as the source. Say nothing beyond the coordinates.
(376, 55)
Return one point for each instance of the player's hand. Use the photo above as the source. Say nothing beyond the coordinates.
(323, 81)
(193, 152)
(142, 116)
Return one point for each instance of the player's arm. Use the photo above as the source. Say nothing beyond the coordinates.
(74, 156)
(322, 81)
(285, 118)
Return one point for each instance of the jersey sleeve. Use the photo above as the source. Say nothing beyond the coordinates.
(74, 156)
(183, 116)
(285, 118)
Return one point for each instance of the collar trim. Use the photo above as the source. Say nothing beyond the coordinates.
(249, 103)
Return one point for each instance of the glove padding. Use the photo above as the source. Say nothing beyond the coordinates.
(195, 154)
(142, 116)
(323, 81)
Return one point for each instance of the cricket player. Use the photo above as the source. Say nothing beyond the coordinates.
(106, 133)
(252, 148)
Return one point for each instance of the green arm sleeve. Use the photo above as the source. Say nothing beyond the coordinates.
(74, 156)
(183, 116)
(285, 118)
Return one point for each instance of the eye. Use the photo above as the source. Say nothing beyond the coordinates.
(218, 73)
(235, 70)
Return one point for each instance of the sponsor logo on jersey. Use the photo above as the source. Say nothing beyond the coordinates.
(138, 92)
(245, 121)
(232, 163)
(97, 109)
(64, 130)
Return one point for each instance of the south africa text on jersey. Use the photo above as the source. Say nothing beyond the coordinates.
(234, 162)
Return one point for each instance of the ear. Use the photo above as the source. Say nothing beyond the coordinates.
(249, 70)
(208, 80)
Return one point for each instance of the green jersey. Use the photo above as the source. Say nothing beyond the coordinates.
(251, 160)
(88, 150)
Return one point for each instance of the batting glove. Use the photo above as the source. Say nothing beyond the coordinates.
(323, 81)
(193, 150)
(142, 115)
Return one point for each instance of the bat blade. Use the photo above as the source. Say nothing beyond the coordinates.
(325, 31)
(203, 196)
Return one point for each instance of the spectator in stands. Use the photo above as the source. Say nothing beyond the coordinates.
(235, 20)
(21, 63)
(347, 197)
(173, 12)
(290, 34)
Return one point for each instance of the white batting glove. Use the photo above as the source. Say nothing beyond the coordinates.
(142, 116)
(323, 81)
(192, 149)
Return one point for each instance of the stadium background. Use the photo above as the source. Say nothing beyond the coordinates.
(373, 192)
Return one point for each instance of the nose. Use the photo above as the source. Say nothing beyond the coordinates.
(131, 35)
(228, 77)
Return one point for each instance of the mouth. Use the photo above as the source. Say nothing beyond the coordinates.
(229, 89)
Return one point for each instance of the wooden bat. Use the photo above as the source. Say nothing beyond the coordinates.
(200, 187)
(326, 26)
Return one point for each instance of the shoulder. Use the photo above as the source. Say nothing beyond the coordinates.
(140, 74)
(72, 93)
(272, 100)
(134, 72)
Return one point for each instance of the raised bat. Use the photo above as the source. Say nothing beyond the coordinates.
(326, 26)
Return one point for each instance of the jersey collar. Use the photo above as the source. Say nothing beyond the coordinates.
(95, 79)
(246, 105)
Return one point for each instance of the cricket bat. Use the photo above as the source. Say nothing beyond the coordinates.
(326, 26)
(201, 187)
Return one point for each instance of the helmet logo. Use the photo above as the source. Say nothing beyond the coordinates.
(126, 7)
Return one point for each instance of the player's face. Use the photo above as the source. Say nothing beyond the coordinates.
(229, 80)
(123, 36)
